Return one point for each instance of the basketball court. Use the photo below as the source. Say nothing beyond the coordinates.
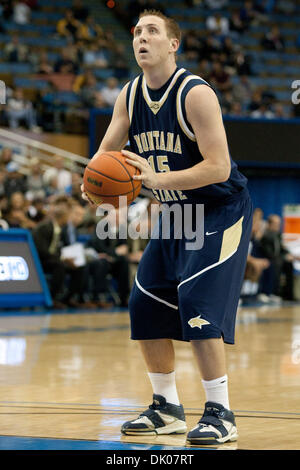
(69, 380)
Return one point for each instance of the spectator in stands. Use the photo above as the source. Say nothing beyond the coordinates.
(110, 92)
(35, 182)
(90, 30)
(14, 181)
(95, 55)
(17, 215)
(84, 80)
(279, 111)
(21, 12)
(204, 69)
(191, 45)
(44, 66)
(236, 24)
(218, 24)
(219, 78)
(256, 263)
(281, 263)
(263, 111)
(119, 61)
(226, 101)
(66, 63)
(36, 210)
(273, 40)
(236, 109)
(14, 51)
(243, 90)
(46, 236)
(90, 90)
(74, 190)
(250, 15)
(78, 285)
(58, 171)
(7, 9)
(5, 157)
(256, 100)
(210, 48)
(68, 27)
(80, 12)
(18, 108)
(285, 6)
(113, 255)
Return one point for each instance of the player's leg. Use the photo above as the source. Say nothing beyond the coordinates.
(208, 297)
(154, 319)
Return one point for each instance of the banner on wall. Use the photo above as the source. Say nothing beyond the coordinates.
(291, 230)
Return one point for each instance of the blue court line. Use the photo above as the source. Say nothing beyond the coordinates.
(39, 443)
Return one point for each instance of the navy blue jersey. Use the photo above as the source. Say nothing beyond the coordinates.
(160, 132)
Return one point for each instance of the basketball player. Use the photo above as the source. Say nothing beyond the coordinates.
(173, 121)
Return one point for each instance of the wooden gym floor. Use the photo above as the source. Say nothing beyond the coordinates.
(69, 380)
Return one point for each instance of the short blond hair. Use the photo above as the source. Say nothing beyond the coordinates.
(172, 27)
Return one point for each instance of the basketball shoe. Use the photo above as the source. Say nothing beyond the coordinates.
(216, 426)
(160, 418)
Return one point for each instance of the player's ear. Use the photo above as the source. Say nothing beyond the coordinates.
(174, 44)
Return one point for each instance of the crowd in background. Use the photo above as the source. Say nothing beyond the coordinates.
(49, 204)
(215, 50)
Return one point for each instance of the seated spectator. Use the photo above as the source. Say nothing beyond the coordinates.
(16, 215)
(113, 259)
(90, 30)
(14, 51)
(96, 55)
(219, 78)
(273, 40)
(218, 24)
(110, 91)
(78, 285)
(256, 100)
(119, 61)
(36, 210)
(236, 109)
(210, 48)
(204, 69)
(243, 90)
(191, 45)
(263, 111)
(250, 15)
(57, 171)
(5, 157)
(85, 80)
(66, 63)
(35, 181)
(21, 12)
(14, 180)
(281, 263)
(46, 236)
(68, 27)
(43, 65)
(236, 24)
(18, 109)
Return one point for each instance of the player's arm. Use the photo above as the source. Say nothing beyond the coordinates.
(204, 115)
(116, 135)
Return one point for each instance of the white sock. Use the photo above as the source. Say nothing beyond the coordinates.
(165, 385)
(217, 390)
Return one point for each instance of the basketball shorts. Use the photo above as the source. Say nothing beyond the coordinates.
(189, 295)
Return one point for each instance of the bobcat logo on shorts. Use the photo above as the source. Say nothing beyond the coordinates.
(198, 321)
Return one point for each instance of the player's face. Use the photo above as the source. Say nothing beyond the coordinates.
(151, 44)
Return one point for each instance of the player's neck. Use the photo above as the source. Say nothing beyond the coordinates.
(156, 78)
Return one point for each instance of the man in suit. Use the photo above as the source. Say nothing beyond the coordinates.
(46, 236)
(281, 262)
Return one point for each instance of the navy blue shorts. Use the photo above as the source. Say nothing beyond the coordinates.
(193, 294)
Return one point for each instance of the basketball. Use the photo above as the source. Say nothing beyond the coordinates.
(109, 176)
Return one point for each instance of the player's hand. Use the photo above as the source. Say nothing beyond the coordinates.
(147, 176)
(85, 196)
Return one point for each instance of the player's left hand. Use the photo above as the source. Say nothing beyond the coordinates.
(147, 176)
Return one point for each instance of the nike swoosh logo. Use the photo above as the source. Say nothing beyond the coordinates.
(210, 233)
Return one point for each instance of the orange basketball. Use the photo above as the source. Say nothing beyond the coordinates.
(109, 176)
